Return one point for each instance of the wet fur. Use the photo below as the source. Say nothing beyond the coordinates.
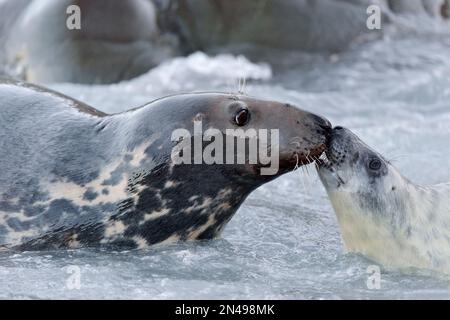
(72, 176)
(386, 217)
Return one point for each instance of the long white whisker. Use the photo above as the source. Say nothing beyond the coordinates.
(302, 181)
(296, 164)
(307, 182)
(230, 86)
(396, 157)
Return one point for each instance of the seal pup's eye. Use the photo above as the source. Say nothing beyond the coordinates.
(374, 164)
(242, 117)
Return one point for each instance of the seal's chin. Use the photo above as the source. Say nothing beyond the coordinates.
(323, 162)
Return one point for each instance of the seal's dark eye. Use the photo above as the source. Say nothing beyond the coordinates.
(375, 164)
(242, 117)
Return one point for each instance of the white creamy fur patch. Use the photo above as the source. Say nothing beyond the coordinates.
(196, 232)
(170, 184)
(14, 237)
(155, 214)
(75, 192)
(172, 239)
(113, 194)
(141, 243)
(114, 228)
(138, 154)
(206, 203)
(73, 242)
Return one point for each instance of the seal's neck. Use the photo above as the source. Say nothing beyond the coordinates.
(168, 202)
(174, 203)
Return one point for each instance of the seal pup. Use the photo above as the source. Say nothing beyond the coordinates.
(72, 176)
(381, 214)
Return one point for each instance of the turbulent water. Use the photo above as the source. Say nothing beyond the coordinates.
(284, 241)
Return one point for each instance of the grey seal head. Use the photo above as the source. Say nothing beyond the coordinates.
(381, 214)
(73, 176)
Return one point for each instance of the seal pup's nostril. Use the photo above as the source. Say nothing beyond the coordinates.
(338, 128)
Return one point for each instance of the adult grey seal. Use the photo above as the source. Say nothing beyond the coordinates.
(72, 176)
(135, 35)
(116, 40)
(381, 214)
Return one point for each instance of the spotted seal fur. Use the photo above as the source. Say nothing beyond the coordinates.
(72, 176)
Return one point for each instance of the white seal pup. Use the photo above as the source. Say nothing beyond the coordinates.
(381, 214)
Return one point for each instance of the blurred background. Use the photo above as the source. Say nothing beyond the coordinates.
(387, 79)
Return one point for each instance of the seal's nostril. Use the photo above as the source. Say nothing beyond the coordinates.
(322, 122)
(338, 128)
(326, 127)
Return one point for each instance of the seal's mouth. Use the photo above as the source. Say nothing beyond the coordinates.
(324, 162)
(300, 158)
(292, 160)
(325, 165)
